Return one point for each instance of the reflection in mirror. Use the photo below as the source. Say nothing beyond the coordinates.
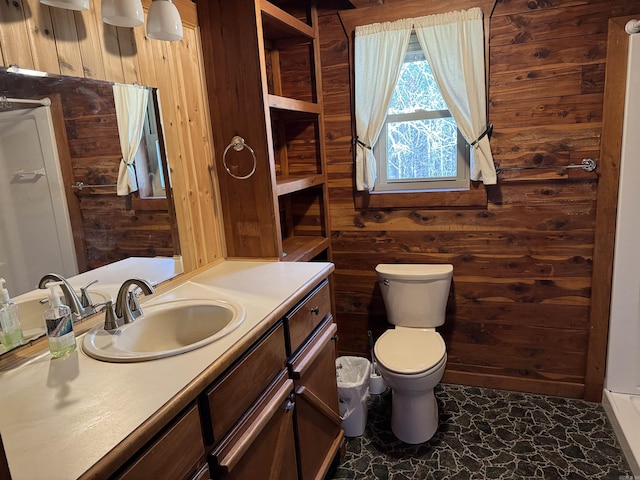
(59, 161)
(150, 160)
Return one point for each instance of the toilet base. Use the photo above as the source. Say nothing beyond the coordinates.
(414, 416)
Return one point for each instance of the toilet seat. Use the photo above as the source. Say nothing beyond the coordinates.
(409, 351)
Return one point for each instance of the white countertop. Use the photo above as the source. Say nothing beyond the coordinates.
(59, 417)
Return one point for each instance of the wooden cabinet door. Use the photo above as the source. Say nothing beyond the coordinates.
(319, 433)
(177, 454)
(261, 446)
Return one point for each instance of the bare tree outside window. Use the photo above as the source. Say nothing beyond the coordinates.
(419, 147)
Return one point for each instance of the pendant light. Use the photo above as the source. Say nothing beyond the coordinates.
(122, 13)
(163, 21)
(79, 5)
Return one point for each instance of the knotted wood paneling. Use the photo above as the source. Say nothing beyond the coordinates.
(518, 315)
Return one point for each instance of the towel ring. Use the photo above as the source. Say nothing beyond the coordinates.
(238, 144)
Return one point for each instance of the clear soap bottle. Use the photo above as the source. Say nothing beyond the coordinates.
(58, 323)
(10, 329)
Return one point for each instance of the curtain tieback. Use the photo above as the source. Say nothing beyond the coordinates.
(357, 141)
(487, 131)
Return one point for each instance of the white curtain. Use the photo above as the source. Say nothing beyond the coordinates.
(131, 109)
(453, 44)
(379, 53)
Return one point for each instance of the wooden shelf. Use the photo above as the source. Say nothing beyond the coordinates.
(286, 214)
(295, 184)
(293, 105)
(302, 248)
(278, 24)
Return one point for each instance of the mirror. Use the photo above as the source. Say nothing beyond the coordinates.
(60, 155)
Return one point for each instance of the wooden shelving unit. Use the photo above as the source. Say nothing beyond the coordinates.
(264, 84)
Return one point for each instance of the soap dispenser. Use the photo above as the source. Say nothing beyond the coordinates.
(10, 330)
(58, 324)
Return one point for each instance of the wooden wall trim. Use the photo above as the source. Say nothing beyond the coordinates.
(475, 197)
(390, 12)
(543, 387)
(64, 158)
(607, 205)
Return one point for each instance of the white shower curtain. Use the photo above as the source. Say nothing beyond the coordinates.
(131, 109)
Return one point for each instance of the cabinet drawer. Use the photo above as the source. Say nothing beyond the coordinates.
(301, 321)
(262, 445)
(234, 393)
(177, 454)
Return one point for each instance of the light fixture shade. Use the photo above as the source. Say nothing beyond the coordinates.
(67, 4)
(122, 13)
(163, 21)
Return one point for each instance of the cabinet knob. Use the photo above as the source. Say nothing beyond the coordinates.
(315, 310)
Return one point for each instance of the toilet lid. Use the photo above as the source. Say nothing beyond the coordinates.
(409, 350)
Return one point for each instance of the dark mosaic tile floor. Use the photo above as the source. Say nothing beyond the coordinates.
(491, 434)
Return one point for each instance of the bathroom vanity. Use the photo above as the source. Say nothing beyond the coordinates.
(261, 402)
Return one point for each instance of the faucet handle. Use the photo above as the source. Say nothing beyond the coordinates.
(110, 318)
(85, 299)
(134, 305)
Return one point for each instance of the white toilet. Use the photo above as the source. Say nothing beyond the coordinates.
(412, 356)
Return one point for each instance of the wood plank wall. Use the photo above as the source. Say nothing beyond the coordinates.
(79, 44)
(519, 310)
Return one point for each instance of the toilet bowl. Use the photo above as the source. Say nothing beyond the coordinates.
(412, 356)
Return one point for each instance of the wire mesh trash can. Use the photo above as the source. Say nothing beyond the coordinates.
(353, 391)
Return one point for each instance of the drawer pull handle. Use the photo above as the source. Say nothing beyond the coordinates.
(289, 405)
(315, 310)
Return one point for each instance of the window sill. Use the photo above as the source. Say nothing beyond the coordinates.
(149, 204)
(475, 197)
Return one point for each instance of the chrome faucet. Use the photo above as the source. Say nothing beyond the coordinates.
(127, 308)
(80, 307)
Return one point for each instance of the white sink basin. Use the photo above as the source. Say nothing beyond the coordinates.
(164, 330)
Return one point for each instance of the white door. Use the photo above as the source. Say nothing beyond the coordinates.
(35, 232)
(623, 361)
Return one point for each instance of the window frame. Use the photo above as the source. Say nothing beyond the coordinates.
(443, 184)
(383, 183)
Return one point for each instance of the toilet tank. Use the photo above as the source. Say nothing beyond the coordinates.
(415, 295)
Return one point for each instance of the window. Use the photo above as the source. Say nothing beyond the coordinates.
(150, 160)
(420, 147)
(454, 44)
